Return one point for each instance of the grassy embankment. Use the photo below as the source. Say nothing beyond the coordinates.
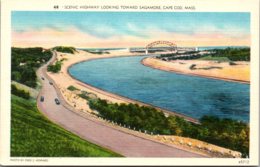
(32, 134)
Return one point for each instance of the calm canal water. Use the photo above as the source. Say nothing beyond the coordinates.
(189, 95)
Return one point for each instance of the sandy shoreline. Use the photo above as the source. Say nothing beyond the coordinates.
(238, 73)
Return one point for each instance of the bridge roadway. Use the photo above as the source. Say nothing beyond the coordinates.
(98, 132)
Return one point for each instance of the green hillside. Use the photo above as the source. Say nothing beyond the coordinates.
(65, 49)
(33, 135)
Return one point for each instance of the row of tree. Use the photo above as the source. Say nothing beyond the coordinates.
(233, 54)
(223, 132)
(188, 57)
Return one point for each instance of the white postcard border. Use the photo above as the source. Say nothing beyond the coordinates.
(7, 6)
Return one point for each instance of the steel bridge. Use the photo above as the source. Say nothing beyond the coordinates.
(173, 46)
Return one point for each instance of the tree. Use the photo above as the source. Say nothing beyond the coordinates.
(16, 76)
(28, 76)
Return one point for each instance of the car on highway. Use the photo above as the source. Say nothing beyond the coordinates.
(57, 101)
(51, 83)
(42, 78)
(42, 99)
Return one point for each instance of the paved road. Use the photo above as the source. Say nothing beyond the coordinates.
(99, 133)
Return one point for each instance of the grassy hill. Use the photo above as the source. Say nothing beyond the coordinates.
(33, 92)
(33, 135)
(65, 49)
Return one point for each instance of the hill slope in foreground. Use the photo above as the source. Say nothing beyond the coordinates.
(33, 135)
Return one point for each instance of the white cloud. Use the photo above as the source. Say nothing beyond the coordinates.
(75, 37)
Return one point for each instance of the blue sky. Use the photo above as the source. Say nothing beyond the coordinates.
(135, 25)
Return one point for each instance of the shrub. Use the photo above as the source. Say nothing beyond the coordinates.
(18, 92)
(232, 63)
(54, 68)
(72, 88)
(192, 67)
(84, 96)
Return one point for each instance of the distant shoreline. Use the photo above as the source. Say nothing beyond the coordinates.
(149, 63)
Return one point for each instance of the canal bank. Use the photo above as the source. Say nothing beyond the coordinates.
(188, 95)
(238, 73)
(64, 80)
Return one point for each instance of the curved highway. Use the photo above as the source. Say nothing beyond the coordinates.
(96, 131)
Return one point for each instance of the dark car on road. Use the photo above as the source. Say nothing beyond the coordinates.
(57, 101)
(42, 99)
(42, 78)
(51, 83)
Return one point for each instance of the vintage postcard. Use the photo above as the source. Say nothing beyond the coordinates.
(130, 82)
